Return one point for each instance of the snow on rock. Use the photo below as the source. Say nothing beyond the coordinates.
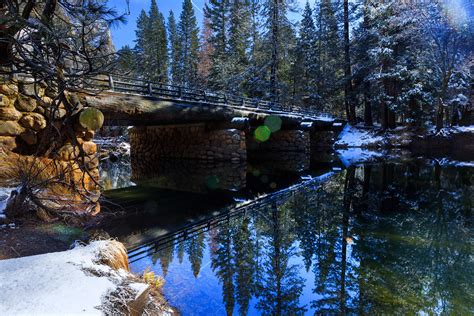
(4, 195)
(354, 137)
(353, 156)
(62, 283)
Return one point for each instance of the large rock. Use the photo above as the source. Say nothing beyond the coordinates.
(34, 121)
(10, 128)
(25, 104)
(8, 142)
(9, 114)
(68, 152)
(4, 101)
(8, 89)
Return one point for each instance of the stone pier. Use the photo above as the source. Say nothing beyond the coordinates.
(187, 141)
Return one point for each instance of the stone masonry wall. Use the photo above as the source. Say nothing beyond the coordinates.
(25, 128)
(188, 142)
(282, 141)
(321, 139)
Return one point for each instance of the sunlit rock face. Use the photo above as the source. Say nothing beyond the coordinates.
(32, 127)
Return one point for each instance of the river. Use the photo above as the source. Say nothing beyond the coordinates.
(379, 237)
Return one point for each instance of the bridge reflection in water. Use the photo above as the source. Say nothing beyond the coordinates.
(184, 196)
(382, 238)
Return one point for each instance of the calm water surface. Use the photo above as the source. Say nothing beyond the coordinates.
(379, 238)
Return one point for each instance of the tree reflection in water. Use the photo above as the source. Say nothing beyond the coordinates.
(374, 239)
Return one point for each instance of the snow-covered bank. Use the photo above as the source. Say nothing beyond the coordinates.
(402, 137)
(86, 280)
(352, 136)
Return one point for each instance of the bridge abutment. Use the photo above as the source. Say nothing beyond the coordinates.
(187, 141)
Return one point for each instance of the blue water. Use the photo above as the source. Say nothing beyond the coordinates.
(384, 238)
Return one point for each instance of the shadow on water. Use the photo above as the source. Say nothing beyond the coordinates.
(377, 238)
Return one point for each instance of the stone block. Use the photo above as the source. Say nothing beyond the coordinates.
(25, 104)
(34, 121)
(8, 142)
(9, 114)
(10, 128)
(4, 101)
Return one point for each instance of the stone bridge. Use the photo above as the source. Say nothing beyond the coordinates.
(176, 122)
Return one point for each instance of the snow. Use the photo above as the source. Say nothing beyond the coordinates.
(452, 130)
(4, 195)
(354, 137)
(352, 156)
(456, 163)
(57, 283)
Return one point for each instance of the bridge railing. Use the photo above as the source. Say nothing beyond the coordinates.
(123, 84)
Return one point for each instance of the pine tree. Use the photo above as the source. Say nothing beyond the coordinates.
(157, 44)
(126, 62)
(216, 12)
(174, 50)
(205, 52)
(306, 63)
(141, 43)
(239, 42)
(329, 56)
(188, 34)
(279, 40)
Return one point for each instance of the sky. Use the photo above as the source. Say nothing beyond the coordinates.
(124, 34)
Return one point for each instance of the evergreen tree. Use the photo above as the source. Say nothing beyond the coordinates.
(205, 52)
(126, 62)
(188, 34)
(328, 56)
(157, 45)
(141, 43)
(279, 39)
(239, 42)
(216, 12)
(174, 50)
(306, 62)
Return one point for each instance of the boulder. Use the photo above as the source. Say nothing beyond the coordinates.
(34, 121)
(90, 148)
(68, 152)
(4, 101)
(28, 88)
(9, 114)
(8, 89)
(8, 142)
(25, 104)
(55, 113)
(10, 128)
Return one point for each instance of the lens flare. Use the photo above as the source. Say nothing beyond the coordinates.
(262, 133)
(273, 122)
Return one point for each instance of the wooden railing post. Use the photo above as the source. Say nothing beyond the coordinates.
(150, 91)
(111, 82)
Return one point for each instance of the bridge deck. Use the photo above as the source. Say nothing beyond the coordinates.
(126, 101)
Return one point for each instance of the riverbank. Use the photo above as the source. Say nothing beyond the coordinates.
(458, 141)
(93, 279)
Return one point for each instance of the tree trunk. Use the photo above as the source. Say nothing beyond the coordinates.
(348, 90)
(275, 52)
(367, 106)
